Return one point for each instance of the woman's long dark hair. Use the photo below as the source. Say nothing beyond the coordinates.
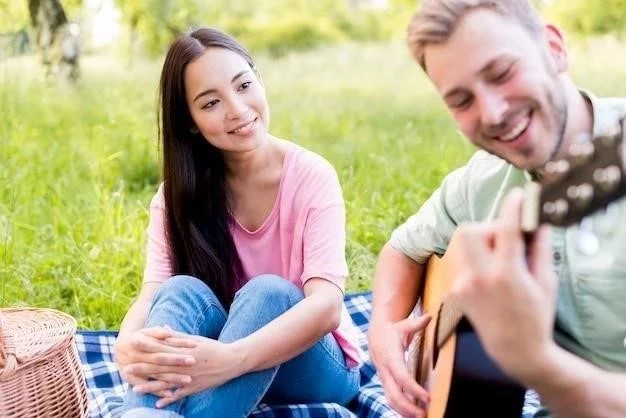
(198, 222)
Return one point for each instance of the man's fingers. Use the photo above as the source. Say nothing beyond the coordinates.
(541, 265)
(509, 240)
(400, 374)
(473, 244)
(415, 324)
(398, 400)
(412, 325)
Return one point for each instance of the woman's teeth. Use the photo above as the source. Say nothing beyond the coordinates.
(245, 128)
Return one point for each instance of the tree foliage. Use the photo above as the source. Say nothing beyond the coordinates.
(274, 25)
(587, 17)
(14, 14)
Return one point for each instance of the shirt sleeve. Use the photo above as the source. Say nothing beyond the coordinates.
(158, 262)
(430, 229)
(324, 237)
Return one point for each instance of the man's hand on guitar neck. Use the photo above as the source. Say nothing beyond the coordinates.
(507, 289)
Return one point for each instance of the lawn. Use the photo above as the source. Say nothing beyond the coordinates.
(78, 165)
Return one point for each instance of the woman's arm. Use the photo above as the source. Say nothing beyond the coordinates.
(294, 331)
(136, 316)
(135, 343)
(284, 338)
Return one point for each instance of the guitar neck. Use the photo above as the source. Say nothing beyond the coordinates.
(592, 177)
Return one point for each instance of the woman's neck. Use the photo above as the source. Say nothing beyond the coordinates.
(242, 167)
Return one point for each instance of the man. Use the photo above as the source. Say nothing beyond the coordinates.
(503, 76)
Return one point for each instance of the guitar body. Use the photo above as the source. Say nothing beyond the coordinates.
(447, 358)
(461, 378)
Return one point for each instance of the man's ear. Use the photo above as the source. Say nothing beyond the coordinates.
(556, 47)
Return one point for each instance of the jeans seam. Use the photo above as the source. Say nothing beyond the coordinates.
(262, 392)
(207, 304)
(340, 363)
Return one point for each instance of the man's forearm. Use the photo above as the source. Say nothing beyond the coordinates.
(396, 284)
(573, 388)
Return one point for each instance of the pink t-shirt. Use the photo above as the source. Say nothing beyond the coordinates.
(303, 236)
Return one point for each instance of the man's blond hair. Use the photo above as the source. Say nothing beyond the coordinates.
(436, 20)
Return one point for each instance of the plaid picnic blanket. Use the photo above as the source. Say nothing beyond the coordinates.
(106, 389)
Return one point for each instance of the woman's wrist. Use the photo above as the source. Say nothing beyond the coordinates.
(243, 357)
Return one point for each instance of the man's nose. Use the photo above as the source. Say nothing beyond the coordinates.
(493, 108)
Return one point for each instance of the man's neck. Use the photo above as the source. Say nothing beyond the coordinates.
(579, 124)
(579, 119)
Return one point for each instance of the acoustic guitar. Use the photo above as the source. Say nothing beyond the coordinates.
(447, 357)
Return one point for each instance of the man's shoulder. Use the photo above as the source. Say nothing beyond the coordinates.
(484, 167)
(615, 105)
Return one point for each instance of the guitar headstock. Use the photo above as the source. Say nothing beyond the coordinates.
(590, 178)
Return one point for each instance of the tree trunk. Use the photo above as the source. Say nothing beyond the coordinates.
(57, 43)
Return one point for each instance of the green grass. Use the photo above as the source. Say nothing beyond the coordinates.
(78, 165)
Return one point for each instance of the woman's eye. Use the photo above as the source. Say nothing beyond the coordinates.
(210, 104)
(245, 85)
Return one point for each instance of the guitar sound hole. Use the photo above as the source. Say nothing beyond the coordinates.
(436, 337)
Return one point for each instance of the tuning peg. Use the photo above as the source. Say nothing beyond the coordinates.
(581, 195)
(581, 152)
(608, 140)
(610, 137)
(556, 210)
(608, 179)
(559, 167)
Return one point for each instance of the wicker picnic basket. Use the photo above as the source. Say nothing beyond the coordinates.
(40, 372)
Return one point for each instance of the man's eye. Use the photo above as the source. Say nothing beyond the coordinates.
(501, 76)
(461, 104)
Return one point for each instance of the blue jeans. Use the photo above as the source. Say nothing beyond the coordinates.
(186, 304)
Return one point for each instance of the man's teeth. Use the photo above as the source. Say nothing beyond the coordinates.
(517, 129)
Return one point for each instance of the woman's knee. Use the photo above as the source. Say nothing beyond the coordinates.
(187, 289)
(271, 286)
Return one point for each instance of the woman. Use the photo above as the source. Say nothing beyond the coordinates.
(242, 299)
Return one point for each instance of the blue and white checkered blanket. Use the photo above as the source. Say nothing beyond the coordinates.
(106, 389)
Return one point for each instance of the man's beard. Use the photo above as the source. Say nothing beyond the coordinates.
(561, 115)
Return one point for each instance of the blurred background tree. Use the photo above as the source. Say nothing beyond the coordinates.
(587, 18)
(146, 27)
